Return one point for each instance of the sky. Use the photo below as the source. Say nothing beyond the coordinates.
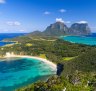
(24, 16)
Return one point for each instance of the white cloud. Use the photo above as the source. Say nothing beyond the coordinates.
(62, 10)
(9, 23)
(13, 23)
(22, 30)
(93, 28)
(59, 20)
(17, 23)
(47, 13)
(80, 22)
(2, 1)
(68, 22)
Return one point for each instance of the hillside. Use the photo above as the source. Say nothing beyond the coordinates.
(86, 62)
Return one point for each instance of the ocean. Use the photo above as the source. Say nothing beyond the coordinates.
(8, 35)
(87, 40)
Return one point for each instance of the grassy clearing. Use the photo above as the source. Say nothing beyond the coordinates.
(28, 44)
(43, 56)
(68, 58)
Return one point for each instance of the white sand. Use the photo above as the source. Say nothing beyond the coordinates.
(51, 64)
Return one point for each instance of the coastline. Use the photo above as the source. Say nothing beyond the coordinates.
(51, 64)
(8, 45)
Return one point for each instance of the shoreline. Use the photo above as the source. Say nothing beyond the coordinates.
(51, 64)
(8, 45)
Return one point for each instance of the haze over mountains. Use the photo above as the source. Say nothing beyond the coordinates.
(59, 29)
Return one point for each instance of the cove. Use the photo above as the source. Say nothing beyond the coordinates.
(19, 72)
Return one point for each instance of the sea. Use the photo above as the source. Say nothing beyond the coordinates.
(86, 40)
(9, 35)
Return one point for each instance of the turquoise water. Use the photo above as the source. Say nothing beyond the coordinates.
(80, 39)
(15, 73)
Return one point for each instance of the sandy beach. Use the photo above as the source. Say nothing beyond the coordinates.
(51, 64)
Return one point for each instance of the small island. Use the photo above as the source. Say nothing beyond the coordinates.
(47, 45)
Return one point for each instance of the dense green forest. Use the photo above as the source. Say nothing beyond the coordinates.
(78, 61)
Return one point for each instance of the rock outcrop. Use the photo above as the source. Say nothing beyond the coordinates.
(56, 29)
(79, 29)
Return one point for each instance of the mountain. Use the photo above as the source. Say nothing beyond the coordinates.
(37, 33)
(79, 29)
(56, 29)
(60, 29)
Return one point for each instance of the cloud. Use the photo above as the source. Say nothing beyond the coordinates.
(62, 10)
(80, 22)
(93, 28)
(22, 30)
(68, 22)
(47, 13)
(2, 1)
(59, 20)
(13, 23)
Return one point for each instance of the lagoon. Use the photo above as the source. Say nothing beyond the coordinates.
(87, 40)
(19, 72)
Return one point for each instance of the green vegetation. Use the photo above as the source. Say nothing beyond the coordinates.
(56, 83)
(79, 62)
(86, 62)
(68, 58)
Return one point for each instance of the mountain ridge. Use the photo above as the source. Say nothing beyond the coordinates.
(60, 29)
